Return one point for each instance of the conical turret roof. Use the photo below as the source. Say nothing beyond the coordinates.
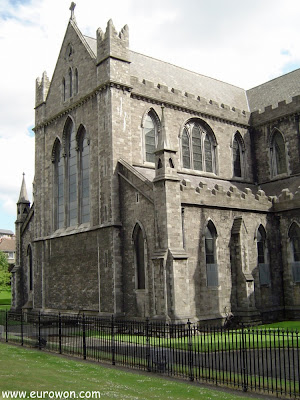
(23, 198)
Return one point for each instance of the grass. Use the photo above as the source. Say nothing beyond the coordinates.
(32, 370)
(290, 325)
(211, 341)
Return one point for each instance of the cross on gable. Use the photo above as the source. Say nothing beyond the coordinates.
(72, 8)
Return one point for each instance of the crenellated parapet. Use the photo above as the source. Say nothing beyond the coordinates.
(41, 89)
(194, 104)
(287, 200)
(282, 111)
(113, 44)
(219, 196)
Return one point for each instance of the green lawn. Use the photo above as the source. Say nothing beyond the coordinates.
(291, 325)
(32, 370)
(256, 337)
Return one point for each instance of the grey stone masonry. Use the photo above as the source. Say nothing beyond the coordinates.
(159, 192)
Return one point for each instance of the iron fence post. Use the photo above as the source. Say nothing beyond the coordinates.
(22, 335)
(39, 331)
(59, 332)
(147, 345)
(244, 361)
(112, 341)
(190, 352)
(83, 337)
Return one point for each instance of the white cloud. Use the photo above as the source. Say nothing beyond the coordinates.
(243, 43)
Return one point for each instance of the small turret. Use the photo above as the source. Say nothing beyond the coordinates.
(41, 89)
(112, 44)
(165, 156)
(113, 58)
(23, 204)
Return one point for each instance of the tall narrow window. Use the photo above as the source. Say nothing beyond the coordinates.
(186, 160)
(294, 236)
(64, 89)
(139, 257)
(262, 257)
(70, 82)
(197, 147)
(278, 154)
(30, 268)
(197, 144)
(84, 160)
(236, 150)
(76, 81)
(71, 154)
(208, 154)
(210, 255)
(150, 138)
(59, 211)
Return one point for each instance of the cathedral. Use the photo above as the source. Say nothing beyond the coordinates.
(159, 192)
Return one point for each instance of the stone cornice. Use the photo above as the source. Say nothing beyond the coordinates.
(189, 110)
(144, 97)
(85, 99)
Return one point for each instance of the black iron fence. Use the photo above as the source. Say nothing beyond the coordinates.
(261, 360)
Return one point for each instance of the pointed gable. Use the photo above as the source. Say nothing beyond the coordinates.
(74, 74)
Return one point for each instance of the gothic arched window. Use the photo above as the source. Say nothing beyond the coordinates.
(71, 168)
(262, 256)
(211, 255)
(64, 89)
(139, 248)
(294, 237)
(59, 210)
(208, 149)
(278, 154)
(150, 135)
(198, 147)
(76, 81)
(186, 159)
(237, 157)
(70, 82)
(30, 268)
(84, 176)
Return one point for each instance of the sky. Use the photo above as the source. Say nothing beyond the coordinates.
(241, 42)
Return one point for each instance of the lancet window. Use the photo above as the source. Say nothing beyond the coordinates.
(238, 156)
(150, 137)
(139, 248)
(278, 154)
(262, 257)
(84, 176)
(30, 268)
(71, 178)
(294, 238)
(211, 255)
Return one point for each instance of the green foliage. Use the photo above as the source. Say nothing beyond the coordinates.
(5, 300)
(4, 274)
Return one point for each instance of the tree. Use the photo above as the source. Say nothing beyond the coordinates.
(4, 274)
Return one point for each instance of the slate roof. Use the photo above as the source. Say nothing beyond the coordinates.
(7, 245)
(257, 98)
(274, 91)
(6, 232)
(157, 71)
